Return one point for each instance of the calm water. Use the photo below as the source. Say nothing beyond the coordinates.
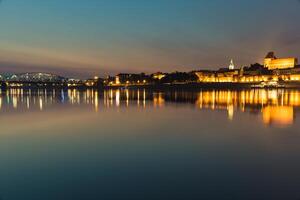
(123, 144)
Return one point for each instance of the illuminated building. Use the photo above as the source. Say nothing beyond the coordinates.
(158, 76)
(90, 83)
(74, 83)
(131, 79)
(95, 82)
(273, 71)
(221, 76)
(272, 63)
(231, 66)
(117, 81)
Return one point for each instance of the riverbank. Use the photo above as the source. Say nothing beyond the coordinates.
(193, 86)
(175, 86)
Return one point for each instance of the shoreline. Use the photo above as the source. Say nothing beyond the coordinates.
(176, 86)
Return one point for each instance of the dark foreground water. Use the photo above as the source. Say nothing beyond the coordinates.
(122, 144)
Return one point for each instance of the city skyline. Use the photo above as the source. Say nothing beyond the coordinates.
(149, 99)
(80, 39)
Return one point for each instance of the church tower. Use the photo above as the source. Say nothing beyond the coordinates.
(231, 66)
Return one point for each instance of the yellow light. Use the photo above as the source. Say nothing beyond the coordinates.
(278, 115)
(283, 63)
(118, 80)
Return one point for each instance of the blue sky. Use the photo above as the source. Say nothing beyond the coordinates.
(83, 38)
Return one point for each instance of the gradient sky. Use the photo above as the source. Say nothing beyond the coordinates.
(83, 38)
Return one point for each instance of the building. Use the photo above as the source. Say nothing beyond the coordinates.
(132, 79)
(74, 83)
(273, 70)
(95, 82)
(272, 63)
(223, 75)
(158, 76)
(231, 66)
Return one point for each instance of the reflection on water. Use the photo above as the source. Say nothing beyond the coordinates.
(278, 107)
(282, 115)
(88, 144)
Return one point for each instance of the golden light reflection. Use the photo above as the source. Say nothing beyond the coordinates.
(15, 102)
(118, 98)
(127, 98)
(96, 102)
(144, 98)
(27, 102)
(281, 115)
(158, 100)
(138, 97)
(41, 103)
(276, 106)
(230, 110)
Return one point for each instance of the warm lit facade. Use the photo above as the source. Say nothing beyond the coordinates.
(273, 70)
(231, 66)
(158, 75)
(130, 79)
(218, 77)
(233, 78)
(283, 63)
(272, 63)
(117, 81)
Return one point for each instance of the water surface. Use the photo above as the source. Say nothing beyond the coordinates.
(140, 144)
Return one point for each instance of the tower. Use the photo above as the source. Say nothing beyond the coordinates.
(231, 66)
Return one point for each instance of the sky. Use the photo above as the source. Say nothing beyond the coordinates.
(83, 38)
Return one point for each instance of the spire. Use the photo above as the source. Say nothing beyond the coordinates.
(231, 66)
